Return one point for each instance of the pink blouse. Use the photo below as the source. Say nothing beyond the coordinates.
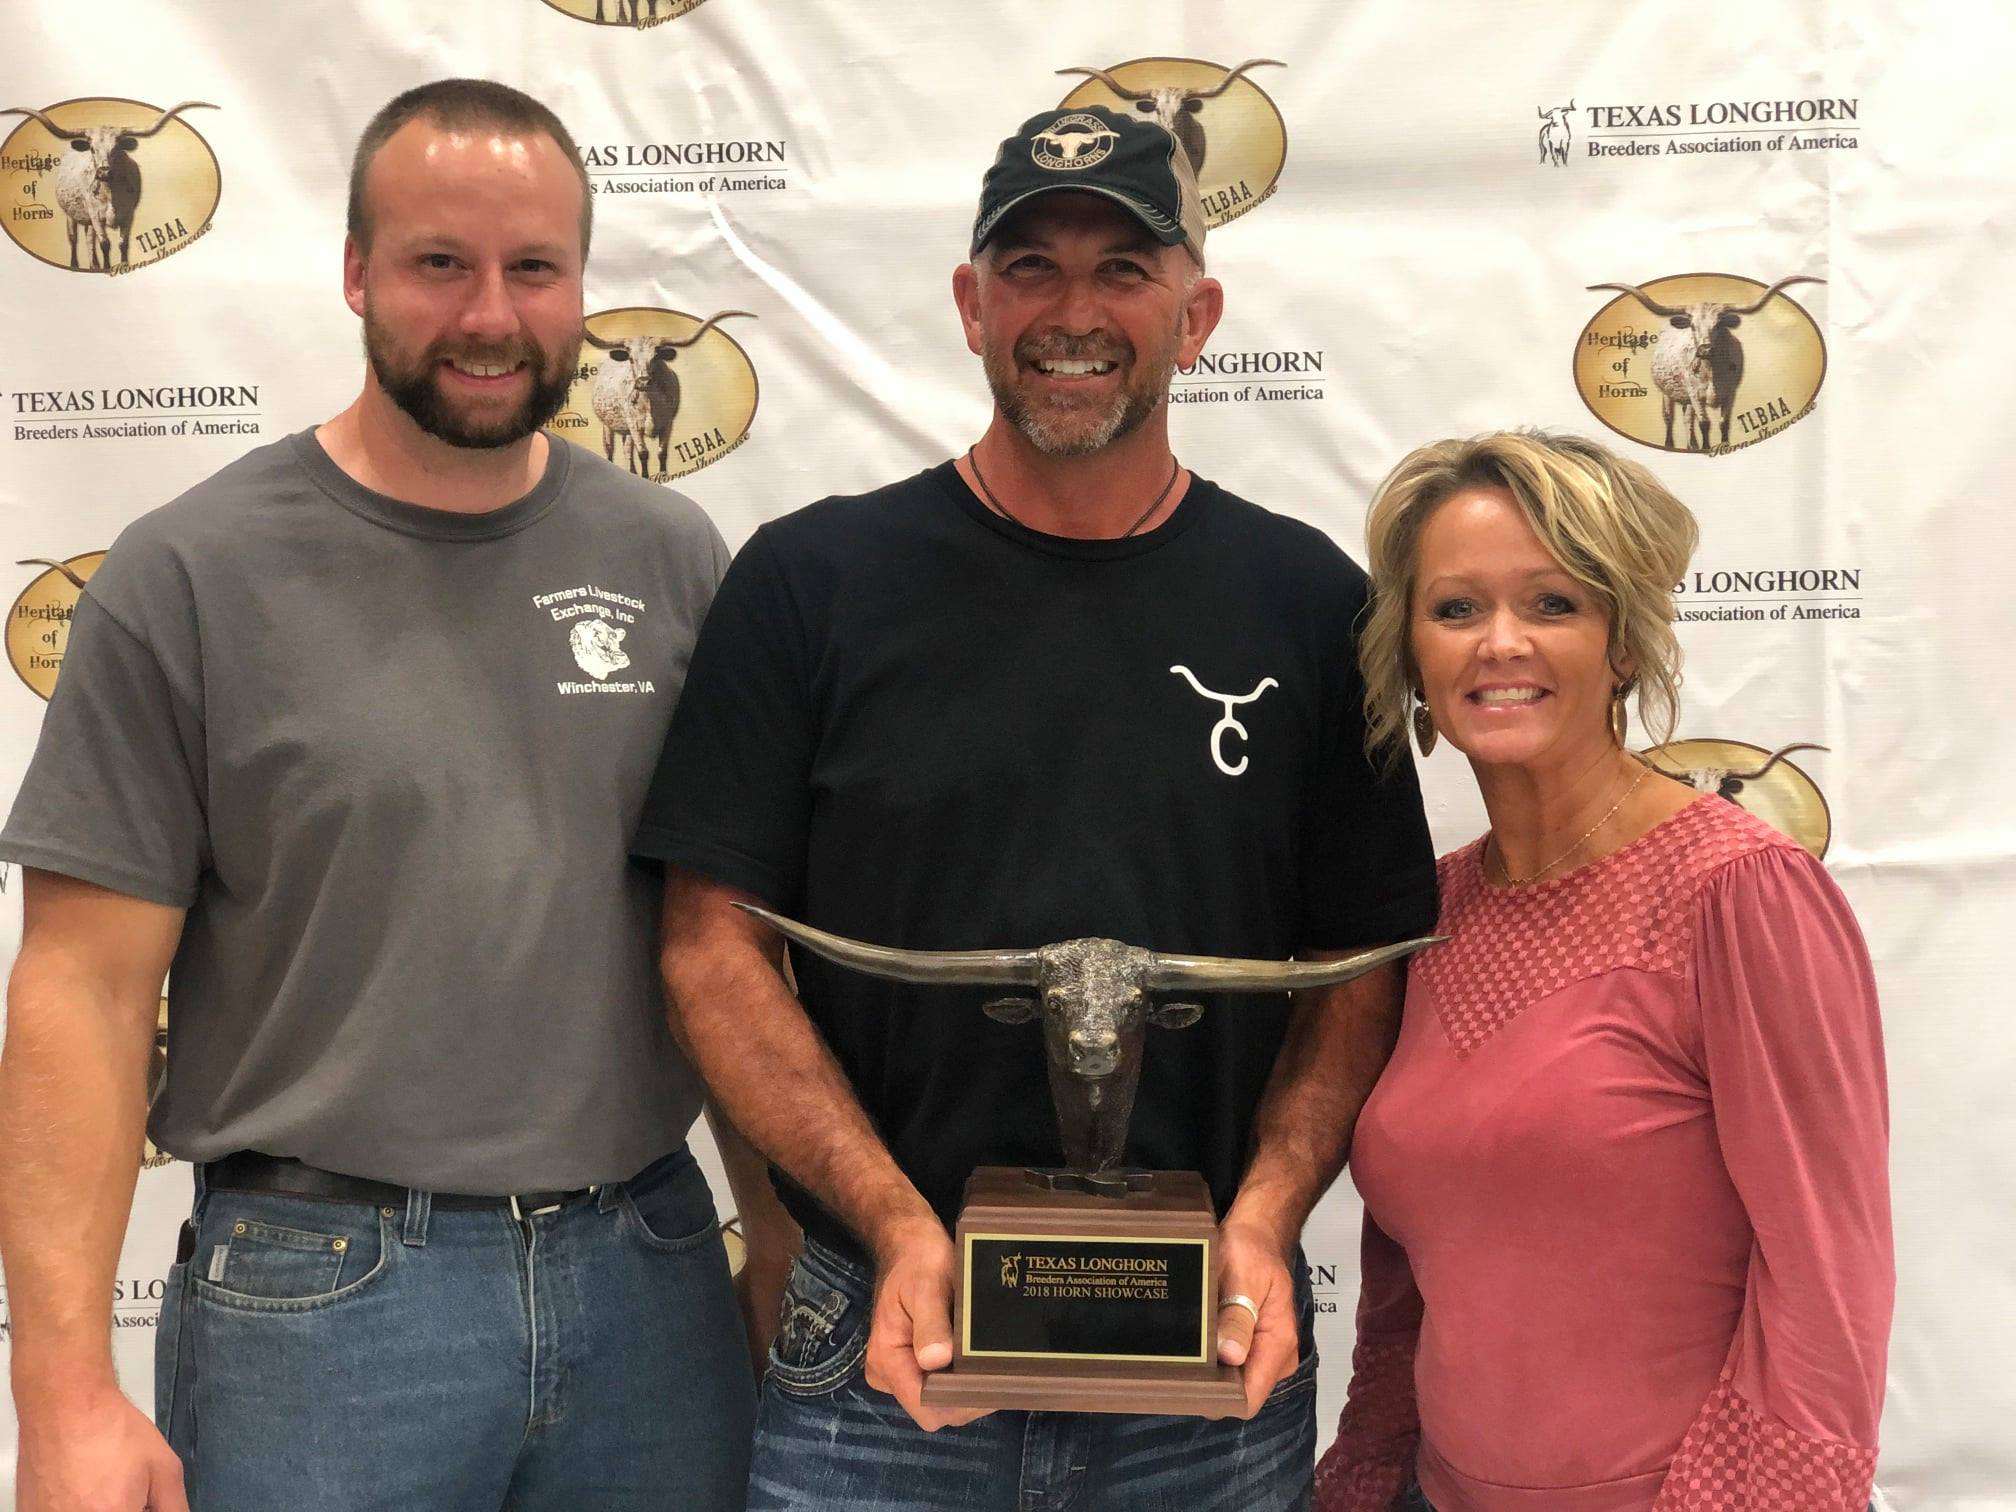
(1627, 1242)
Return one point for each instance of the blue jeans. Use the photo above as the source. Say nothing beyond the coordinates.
(828, 1442)
(316, 1355)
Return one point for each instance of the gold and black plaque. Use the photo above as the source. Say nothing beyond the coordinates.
(1083, 1297)
(1071, 1301)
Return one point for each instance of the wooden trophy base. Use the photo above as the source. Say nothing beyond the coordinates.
(1078, 1301)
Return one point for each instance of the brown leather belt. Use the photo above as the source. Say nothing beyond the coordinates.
(249, 1171)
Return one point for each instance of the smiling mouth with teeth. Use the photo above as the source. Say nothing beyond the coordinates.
(484, 369)
(1489, 696)
(1066, 367)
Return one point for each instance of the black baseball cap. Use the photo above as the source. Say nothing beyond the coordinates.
(1135, 163)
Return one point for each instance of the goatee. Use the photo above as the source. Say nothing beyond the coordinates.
(1078, 430)
(416, 387)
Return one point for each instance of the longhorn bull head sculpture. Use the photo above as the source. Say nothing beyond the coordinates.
(1094, 997)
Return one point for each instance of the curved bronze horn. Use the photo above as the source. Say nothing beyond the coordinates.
(1765, 298)
(1641, 296)
(47, 125)
(1110, 82)
(943, 968)
(1230, 78)
(1774, 758)
(710, 326)
(75, 581)
(596, 341)
(1230, 974)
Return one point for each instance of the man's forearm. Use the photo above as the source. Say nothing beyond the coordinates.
(1339, 1039)
(768, 1069)
(73, 1098)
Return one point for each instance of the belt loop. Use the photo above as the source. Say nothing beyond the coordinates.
(202, 1188)
(419, 1208)
(607, 1195)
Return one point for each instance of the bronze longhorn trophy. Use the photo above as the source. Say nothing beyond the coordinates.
(1094, 997)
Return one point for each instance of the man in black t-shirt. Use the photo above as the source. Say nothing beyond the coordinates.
(1057, 688)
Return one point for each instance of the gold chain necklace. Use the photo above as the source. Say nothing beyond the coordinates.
(1002, 509)
(1505, 872)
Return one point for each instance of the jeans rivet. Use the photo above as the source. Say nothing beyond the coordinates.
(385, 1212)
(237, 1228)
(339, 1245)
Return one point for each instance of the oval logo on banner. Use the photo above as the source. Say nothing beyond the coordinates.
(38, 626)
(637, 14)
(1701, 362)
(660, 392)
(1767, 783)
(106, 185)
(1232, 132)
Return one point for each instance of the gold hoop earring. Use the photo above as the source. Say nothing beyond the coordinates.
(1424, 728)
(1620, 719)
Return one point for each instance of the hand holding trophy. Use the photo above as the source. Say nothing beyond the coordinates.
(1091, 1287)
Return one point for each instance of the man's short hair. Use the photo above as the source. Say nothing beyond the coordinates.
(457, 104)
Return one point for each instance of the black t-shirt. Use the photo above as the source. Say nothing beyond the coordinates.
(913, 722)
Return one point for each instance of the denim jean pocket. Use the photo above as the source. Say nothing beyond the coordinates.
(822, 1335)
(168, 1345)
(287, 1254)
(1301, 1378)
(669, 1206)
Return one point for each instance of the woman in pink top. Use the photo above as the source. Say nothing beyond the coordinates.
(1627, 1242)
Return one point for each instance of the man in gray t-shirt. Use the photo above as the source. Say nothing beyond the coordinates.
(354, 736)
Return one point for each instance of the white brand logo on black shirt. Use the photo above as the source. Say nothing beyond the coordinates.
(1229, 722)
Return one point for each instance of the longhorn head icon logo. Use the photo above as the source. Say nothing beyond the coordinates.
(1229, 725)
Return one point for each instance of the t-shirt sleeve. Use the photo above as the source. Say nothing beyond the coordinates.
(1794, 1052)
(1371, 1461)
(731, 798)
(1369, 869)
(114, 794)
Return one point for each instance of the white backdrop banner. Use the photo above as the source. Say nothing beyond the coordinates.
(1414, 204)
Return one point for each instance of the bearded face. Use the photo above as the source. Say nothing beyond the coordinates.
(468, 393)
(1060, 421)
(1079, 317)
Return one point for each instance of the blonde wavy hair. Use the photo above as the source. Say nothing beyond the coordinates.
(1613, 527)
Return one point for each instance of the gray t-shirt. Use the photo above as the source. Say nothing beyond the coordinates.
(390, 760)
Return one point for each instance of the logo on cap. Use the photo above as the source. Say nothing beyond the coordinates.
(1073, 141)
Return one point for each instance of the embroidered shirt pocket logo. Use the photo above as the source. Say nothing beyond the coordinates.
(1229, 725)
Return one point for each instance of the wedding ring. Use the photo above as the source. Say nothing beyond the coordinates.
(1235, 1300)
